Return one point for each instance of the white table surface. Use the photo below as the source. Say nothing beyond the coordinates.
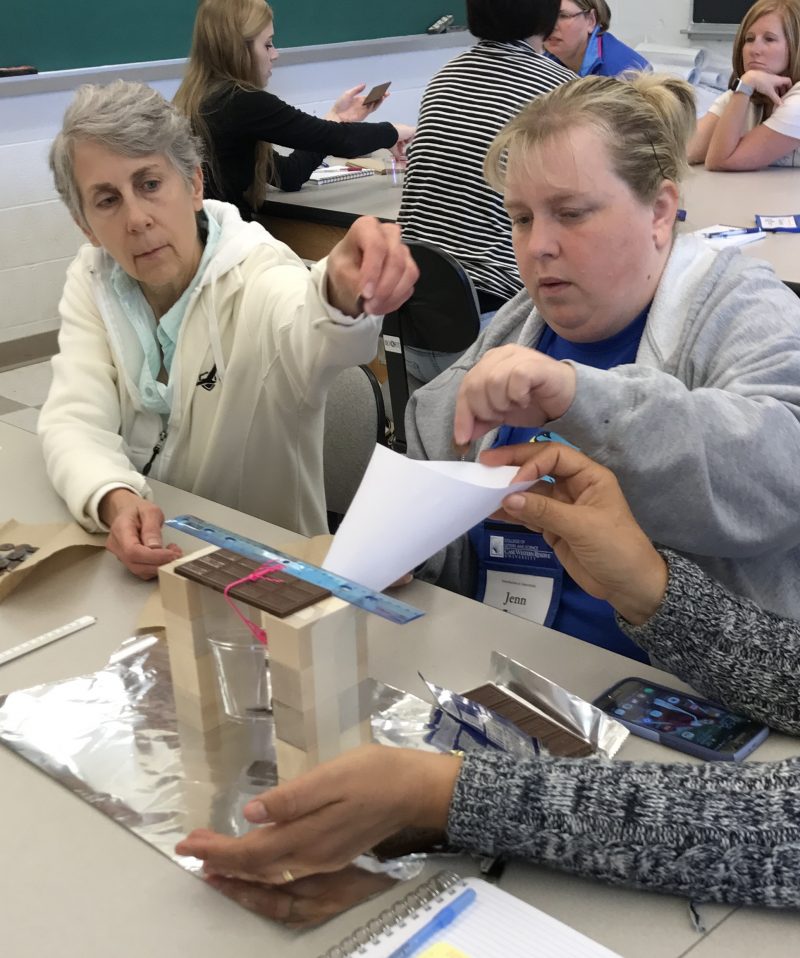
(735, 198)
(76, 885)
(731, 198)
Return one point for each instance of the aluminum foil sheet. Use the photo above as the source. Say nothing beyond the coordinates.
(603, 733)
(112, 737)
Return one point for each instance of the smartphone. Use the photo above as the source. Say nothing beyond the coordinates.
(681, 720)
(376, 93)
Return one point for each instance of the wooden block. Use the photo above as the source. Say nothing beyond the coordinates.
(291, 649)
(293, 761)
(355, 704)
(292, 687)
(179, 595)
(295, 727)
(198, 711)
(330, 726)
(320, 689)
(186, 637)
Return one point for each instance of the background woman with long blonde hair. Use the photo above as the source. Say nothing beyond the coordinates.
(238, 120)
(756, 123)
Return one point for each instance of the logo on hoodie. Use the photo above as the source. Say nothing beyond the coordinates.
(208, 380)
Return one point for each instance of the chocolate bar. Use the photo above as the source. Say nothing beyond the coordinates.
(557, 740)
(278, 592)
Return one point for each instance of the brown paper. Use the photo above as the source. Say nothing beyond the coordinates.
(65, 540)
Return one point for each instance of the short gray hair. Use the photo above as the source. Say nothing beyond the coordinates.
(131, 119)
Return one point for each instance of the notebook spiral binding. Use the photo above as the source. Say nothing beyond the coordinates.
(391, 919)
(341, 177)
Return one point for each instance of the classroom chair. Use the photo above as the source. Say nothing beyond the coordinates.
(442, 315)
(355, 421)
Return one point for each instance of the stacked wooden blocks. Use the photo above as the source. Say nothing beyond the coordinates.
(321, 693)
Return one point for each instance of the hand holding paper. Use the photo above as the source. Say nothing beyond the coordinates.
(406, 510)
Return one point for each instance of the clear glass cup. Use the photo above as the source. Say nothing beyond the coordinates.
(395, 169)
(242, 667)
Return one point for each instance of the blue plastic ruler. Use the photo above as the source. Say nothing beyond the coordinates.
(382, 605)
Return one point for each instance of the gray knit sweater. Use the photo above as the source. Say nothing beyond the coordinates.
(713, 831)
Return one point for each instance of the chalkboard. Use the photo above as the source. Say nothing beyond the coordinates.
(65, 34)
(720, 11)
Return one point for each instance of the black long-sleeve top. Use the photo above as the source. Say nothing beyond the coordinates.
(239, 119)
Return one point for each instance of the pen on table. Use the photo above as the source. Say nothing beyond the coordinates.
(738, 231)
(446, 916)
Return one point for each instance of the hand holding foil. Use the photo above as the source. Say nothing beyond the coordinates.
(322, 820)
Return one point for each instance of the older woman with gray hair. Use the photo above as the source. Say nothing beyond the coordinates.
(194, 348)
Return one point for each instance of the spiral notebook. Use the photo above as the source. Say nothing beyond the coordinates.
(494, 925)
(337, 174)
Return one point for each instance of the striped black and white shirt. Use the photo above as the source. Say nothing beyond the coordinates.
(446, 200)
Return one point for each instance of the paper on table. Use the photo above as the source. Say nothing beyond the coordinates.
(733, 239)
(54, 541)
(405, 510)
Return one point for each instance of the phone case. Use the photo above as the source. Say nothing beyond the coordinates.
(376, 93)
(672, 739)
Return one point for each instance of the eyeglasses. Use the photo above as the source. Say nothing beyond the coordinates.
(571, 16)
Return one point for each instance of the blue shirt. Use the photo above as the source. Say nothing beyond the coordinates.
(578, 613)
(607, 56)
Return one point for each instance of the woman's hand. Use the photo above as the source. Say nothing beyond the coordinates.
(135, 532)
(370, 270)
(308, 901)
(322, 820)
(514, 385)
(350, 107)
(769, 85)
(586, 521)
(405, 134)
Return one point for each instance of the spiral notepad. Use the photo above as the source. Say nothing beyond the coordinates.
(497, 925)
(337, 174)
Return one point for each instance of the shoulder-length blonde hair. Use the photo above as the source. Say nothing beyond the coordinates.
(789, 13)
(645, 120)
(222, 57)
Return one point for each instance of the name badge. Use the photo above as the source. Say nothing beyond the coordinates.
(527, 596)
(517, 571)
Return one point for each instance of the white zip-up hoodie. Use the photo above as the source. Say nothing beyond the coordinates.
(252, 440)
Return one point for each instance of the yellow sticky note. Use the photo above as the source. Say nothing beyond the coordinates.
(443, 950)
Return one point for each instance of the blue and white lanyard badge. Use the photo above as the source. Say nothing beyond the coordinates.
(517, 571)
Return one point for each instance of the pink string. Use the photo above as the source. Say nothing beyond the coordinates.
(263, 572)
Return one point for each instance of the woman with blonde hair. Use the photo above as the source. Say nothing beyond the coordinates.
(675, 365)
(223, 95)
(582, 42)
(756, 123)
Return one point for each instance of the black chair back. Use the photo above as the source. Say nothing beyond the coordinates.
(355, 421)
(441, 315)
